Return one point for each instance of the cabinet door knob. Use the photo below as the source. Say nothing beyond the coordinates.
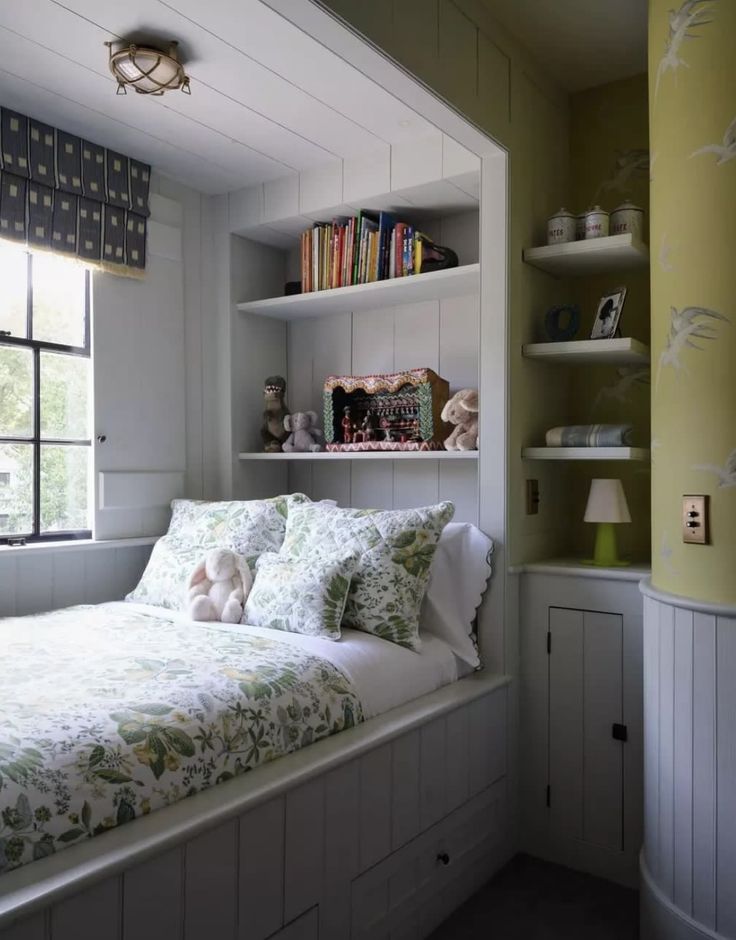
(444, 858)
(101, 438)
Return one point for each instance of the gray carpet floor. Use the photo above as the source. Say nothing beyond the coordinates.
(534, 900)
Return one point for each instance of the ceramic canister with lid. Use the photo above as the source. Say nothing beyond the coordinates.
(596, 223)
(561, 227)
(627, 218)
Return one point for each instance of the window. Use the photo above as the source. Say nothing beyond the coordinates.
(45, 397)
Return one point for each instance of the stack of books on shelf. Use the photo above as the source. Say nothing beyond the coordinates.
(371, 246)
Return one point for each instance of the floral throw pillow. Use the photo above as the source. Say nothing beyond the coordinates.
(247, 527)
(301, 596)
(395, 550)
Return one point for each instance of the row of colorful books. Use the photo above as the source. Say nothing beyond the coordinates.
(371, 246)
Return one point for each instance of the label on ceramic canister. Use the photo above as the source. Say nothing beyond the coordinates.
(627, 218)
(561, 227)
(596, 223)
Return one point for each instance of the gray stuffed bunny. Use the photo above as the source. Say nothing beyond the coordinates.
(304, 435)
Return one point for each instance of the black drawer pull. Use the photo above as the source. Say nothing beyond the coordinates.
(444, 858)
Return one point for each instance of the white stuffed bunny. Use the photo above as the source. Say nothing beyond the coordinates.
(219, 586)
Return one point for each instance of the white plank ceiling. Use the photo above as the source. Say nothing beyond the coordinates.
(266, 100)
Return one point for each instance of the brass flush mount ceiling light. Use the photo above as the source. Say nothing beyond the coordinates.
(148, 70)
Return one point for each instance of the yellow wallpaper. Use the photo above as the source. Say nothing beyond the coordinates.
(609, 162)
(692, 89)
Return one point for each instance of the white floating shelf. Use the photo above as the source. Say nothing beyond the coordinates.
(624, 351)
(590, 256)
(585, 453)
(369, 455)
(434, 285)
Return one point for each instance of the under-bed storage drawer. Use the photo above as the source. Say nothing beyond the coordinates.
(412, 890)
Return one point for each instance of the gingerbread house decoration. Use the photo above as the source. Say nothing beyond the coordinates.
(396, 411)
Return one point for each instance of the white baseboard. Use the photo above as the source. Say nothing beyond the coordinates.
(661, 919)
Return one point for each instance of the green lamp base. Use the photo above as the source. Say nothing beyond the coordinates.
(605, 553)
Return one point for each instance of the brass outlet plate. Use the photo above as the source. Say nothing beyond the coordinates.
(532, 497)
(695, 520)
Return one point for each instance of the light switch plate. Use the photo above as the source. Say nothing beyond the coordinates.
(695, 520)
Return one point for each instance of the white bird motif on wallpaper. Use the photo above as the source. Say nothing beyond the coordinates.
(726, 151)
(630, 165)
(665, 553)
(630, 378)
(686, 326)
(682, 22)
(665, 251)
(726, 475)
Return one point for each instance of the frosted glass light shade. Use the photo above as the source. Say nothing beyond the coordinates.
(149, 71)
(607, 502)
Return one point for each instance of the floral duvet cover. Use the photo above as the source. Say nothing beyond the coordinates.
(110, 712)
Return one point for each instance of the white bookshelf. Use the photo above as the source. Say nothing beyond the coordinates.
(618, 352)
(434, 285)
(452, 455)
(585, 453)
(590, 256)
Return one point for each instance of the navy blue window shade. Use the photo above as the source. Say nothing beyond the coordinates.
(61, 192)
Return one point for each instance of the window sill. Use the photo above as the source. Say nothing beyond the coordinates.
(74, 544)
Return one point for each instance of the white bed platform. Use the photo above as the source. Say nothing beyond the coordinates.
(377, 832)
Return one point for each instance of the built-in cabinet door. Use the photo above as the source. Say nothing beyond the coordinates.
(586, 760)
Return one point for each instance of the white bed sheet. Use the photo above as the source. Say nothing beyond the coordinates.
(384, 675)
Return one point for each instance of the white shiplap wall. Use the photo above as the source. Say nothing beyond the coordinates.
(37, 578)
(440, 334)
(689, 769)
(443, 335)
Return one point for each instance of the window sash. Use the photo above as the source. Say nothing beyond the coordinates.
(36, 440)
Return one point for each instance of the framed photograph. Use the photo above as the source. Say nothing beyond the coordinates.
(608, 314)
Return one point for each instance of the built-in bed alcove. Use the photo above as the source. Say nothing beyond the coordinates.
(384, 829)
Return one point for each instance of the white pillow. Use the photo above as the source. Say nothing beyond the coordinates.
(458, 577)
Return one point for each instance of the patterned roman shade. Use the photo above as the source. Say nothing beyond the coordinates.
(60, 192)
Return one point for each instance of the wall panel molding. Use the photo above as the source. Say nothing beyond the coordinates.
(689, 851)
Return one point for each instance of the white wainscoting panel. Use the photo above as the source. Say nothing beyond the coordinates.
(689, 855)
(34, 579)
(153, 897)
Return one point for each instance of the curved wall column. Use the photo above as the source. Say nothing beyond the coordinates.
(689, 857)
(692, 102)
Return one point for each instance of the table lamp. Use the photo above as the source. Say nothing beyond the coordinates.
(607, 507)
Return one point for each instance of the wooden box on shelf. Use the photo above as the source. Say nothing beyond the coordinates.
(399, 411)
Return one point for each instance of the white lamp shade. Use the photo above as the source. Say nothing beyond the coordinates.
(607, 502)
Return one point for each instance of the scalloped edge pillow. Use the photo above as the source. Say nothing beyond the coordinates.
(305, 595)
(458, 579)
(395, 549)
(248, 527)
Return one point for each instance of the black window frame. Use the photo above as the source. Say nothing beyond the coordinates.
(36, 440)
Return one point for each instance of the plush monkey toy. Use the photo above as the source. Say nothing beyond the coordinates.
(273, 431)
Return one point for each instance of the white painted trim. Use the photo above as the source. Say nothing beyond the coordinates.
(687, 603)
(574, 568)
(79, 545)
(48, 880)
(433, 285)
(585, 453)
(663, 920)
(622, 351)
(366, 455)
